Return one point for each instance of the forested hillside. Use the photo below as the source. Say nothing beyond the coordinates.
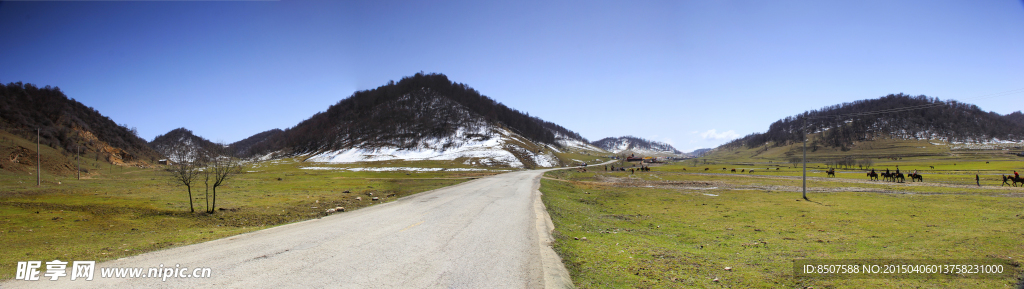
(67, 124)
(242, 147)
(1015, 117)
(403, 115)
(862, 120)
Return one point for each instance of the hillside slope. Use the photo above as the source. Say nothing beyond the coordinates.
(68, 125)
(422, 117)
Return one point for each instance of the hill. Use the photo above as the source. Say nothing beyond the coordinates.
(163, 143)
(1015, 117)
(66, 125)
(242, 147)
(840, 126)
(700, 152)
(422, 117)
(635, 145)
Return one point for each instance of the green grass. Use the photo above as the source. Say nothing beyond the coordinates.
(683, 230)
(127, 211)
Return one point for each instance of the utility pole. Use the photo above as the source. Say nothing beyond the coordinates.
(39, 179)
(78, 161)
(805, 157)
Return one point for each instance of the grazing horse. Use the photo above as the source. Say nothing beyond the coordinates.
(751, 171)
(916, 178)
(933, 167)
(873, 176)
(831, 173)
(743, 170)
(776, 169)
(734, 170)
(706, 169)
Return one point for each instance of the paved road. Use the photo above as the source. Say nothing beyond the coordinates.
(486, 233)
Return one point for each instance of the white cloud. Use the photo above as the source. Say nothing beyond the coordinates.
(714, 135)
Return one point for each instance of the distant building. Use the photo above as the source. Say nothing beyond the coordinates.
(165, 162)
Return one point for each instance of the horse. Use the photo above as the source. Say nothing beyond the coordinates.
(933, 167)
(831, 173)
(888, 177)
(872, 176)
(734, 170)
(743, 170)
(900, 177)
(1016, 180)
(1004, 181)
(916, 178)
(776, 169)
(706, 169)
(751, 171)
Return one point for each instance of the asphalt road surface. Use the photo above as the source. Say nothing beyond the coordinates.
(486, 233)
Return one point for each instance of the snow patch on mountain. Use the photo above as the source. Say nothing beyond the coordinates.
(480, 145)
(570, 143)
(636, 145)
(545, 160)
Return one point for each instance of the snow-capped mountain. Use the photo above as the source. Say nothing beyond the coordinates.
(423, 117)
(635, 145)
(166, 144)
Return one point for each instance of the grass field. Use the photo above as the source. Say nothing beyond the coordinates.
(680, 226)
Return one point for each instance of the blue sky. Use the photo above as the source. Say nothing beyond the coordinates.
(691, 73)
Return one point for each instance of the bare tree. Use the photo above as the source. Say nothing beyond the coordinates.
(223, 168)
(184, 167)
(866, 162)
(219, 167)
